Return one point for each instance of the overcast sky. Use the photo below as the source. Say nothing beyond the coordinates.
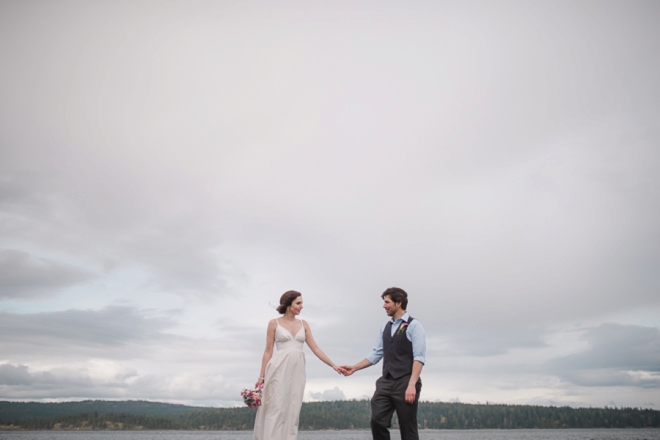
(168, 169)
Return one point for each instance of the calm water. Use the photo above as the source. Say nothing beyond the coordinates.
(486, 434)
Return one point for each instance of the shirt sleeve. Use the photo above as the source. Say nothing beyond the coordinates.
(377, 353)
(417, 336)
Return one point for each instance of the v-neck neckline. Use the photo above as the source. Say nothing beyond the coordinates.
(289, 332)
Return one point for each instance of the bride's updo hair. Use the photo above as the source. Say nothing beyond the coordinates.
(287, 299)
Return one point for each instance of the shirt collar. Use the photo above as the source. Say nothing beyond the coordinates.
(403, 318)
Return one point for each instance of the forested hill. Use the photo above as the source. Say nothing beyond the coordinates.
(35, 410)
(351, 414)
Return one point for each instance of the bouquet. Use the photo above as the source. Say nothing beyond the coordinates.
(252, 398)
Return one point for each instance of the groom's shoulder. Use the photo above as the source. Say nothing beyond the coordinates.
(415, 322)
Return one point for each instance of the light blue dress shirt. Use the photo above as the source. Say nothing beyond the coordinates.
(415, 334)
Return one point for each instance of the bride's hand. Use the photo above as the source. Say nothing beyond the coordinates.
(259, 384)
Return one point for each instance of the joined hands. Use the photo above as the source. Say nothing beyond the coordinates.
(340, 370)
(345, 370)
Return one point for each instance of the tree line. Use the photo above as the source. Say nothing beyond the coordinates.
(355, 414)
(34, 410)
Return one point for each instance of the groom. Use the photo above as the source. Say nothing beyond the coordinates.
(402, 343)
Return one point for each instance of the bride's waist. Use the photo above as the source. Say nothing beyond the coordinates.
(287, 348)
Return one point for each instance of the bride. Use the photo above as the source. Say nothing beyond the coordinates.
(283, 374)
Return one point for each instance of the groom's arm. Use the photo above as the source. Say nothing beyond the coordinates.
(417, 336)
(411, 391)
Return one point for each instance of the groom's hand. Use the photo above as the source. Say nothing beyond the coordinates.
(410, 394)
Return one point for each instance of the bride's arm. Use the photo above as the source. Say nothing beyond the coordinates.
(309, 338)
(268, 352)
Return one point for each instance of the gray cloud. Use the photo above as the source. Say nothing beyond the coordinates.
(178, 251)
(611, 378)
(17, 376)
(95, 352)
(14, 375)
(334, 394)
(617, 355)
(24, 276)
(110, 331)
(21, 382)
(486, 342)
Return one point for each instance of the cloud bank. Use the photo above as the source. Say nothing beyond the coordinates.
(160, 187)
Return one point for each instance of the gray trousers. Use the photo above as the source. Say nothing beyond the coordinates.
(390, 396)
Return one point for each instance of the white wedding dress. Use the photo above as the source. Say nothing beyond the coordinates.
(284, 386)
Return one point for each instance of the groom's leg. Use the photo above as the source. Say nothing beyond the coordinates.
(406, 412)
(382, 408)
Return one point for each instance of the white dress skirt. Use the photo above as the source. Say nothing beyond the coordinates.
(284, 386)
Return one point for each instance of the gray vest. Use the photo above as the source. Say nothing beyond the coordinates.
(397, 351)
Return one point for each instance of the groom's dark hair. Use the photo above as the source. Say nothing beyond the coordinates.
(397, 295)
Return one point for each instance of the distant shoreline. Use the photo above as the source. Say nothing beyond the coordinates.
(100, 415)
